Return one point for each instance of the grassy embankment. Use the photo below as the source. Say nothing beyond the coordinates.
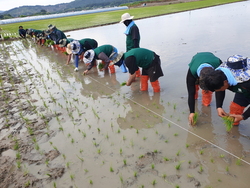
(98, 19)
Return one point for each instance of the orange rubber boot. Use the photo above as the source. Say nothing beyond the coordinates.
(196, 91)
(236, 109)
(112, 69)
(206, 97)
(138, 73)
(156, 86)
(144, 82)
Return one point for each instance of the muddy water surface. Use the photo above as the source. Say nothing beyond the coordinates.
(62, 129)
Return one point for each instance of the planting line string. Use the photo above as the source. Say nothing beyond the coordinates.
(183, 128)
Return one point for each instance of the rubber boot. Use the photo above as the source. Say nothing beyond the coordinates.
(144, 82)
(206, 97)
(236, 109)
(42, 41)
(156, 86)
(196, 91)
(138, 73)
(112, 69)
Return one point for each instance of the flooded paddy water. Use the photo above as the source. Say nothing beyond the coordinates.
(62, 129)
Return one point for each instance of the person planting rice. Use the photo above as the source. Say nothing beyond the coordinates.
(203, 61)
(233, 75)
(55, 34)
(106, 53)
(150, 63)
(22, 32)
(78, 47)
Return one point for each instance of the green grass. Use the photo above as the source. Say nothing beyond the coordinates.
(103, 18)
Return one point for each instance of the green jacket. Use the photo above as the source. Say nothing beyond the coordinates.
(144, 57)
(203, 57)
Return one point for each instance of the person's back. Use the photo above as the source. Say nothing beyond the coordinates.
(22, 32)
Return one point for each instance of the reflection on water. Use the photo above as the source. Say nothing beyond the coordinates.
(176, 38)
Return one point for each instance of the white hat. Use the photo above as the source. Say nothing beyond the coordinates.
(88, 56)
(73, 47)
(50, 26)
(126, 16)
(62, 42)
(117, 59)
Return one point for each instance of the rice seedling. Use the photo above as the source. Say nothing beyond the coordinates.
(123, 138)
(30, 130)
(54, 184)
(121, 151)
(164, 176)
(137, 131)
(111, 169)
(156, 132)
(18, 155)
(84, 134)
(155, 151)
(18, 163)
(228, 122)
(144, 138)
(178, 153)
(195, 118)
(222, 156)
(86, 170)
(141, 156)
(72, 177)
(132, 143)
(64, 156)
(135, 174)
(166, 159)
(91, 182)
(176, 134)
(47, 162)
(190, 176)
(238, 162)
(123, 83)
(152, 166)
(107, 136)
(121, 179)
(178, 166)
(124, 162)
(118, 131)
(99, 151)
(96, 115)
(154, 182)
(177, 186)
(201, 169)
(55, 148)
(201, 152)
(227, 168)
(37, 146)
(27, 184)
(67, 164)
(187, 145)
(174, 106)
(166, 141)
(95, 144)
(212, 160)
(72, 141)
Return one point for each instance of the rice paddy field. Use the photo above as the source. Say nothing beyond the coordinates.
(62, 129)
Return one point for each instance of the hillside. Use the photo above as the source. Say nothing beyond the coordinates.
(64, 7)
